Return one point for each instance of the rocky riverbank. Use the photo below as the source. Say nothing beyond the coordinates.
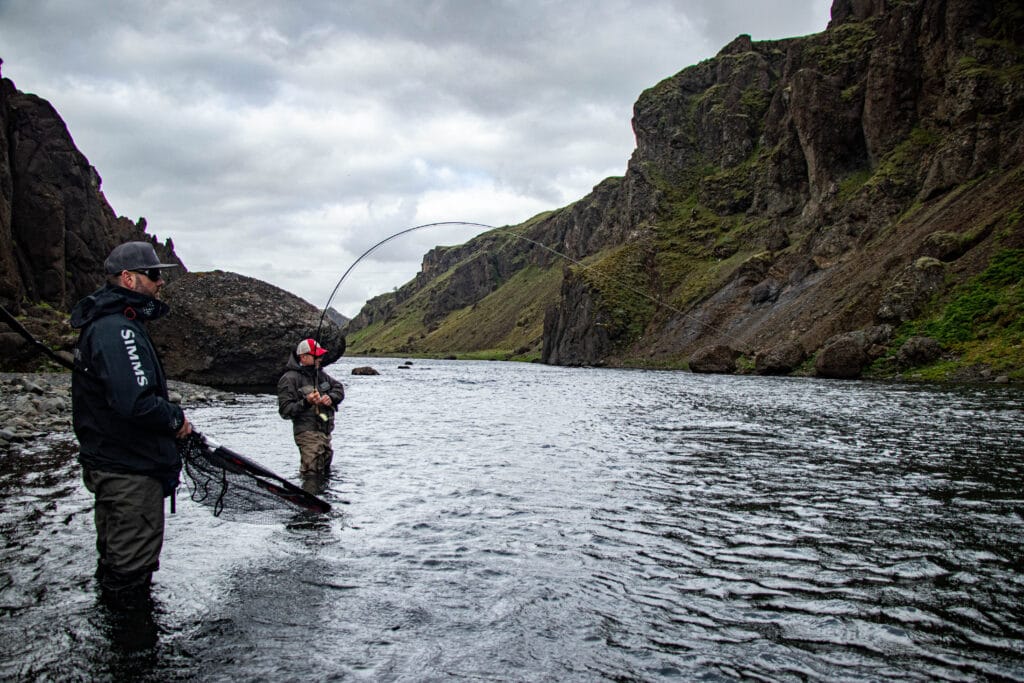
(34, 405)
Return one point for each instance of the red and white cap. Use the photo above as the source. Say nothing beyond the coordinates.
(309, 346)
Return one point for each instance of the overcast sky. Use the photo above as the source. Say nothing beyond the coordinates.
(282, 139)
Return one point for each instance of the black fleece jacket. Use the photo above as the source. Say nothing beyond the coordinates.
(122, 418)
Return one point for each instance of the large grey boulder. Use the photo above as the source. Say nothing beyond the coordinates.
(717, 359)
(780, 360)
(228, 330)
(845, 356)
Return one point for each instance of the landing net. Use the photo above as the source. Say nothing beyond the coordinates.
(231, 483)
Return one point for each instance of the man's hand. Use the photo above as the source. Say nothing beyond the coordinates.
(313, 397)
(325, 400)
(185, 430)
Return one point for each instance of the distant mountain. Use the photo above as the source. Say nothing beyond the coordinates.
(810, 205)
(336, 317)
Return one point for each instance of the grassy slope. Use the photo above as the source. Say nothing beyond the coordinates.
(507, 324)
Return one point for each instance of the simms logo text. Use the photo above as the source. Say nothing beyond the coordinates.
(133, 355)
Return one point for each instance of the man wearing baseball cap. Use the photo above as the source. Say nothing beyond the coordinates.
(125, 424)
(309, 397)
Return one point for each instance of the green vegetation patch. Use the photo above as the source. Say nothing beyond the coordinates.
(622, 278)
(983, 324)
(506, 324)
(508, 321)
(846, 45)
(988, 305)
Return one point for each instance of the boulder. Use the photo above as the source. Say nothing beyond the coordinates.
(918, 351)
(911, 290)
(780, 360)
(845, 356)
(944, 246)
(765, 292)
(228, 330)
(717, 359)
(364, 370)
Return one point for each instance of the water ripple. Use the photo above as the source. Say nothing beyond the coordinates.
(532, 523)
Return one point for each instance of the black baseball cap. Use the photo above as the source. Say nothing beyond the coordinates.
(133, 256)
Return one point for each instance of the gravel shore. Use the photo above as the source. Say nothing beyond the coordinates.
(34, 405)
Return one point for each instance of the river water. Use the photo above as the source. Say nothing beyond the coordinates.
(497, 521)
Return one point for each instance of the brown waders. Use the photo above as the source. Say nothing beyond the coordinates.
(315, 453)
(129, 518)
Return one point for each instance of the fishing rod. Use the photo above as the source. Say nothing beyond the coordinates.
(657, 301)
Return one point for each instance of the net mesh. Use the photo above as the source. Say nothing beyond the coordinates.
(239, 488)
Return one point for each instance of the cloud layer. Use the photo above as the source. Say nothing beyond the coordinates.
(281, 140)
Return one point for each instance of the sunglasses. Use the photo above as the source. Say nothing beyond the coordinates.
(152, 273)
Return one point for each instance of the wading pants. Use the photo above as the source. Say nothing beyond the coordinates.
(129, 528)
(315, 453)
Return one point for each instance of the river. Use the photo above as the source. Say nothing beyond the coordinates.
(501, 521)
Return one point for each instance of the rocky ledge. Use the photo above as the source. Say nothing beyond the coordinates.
(34, 405)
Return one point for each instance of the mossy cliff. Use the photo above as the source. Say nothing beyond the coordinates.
(802, 205)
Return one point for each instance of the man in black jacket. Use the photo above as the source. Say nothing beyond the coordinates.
(125, 424)
(309, 397)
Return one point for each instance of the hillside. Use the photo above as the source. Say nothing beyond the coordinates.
(843, 203)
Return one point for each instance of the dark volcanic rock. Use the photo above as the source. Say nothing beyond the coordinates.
(846, 355)
(918, 351)
(56, 227)
(780, 360)
(843, 358)
(230, 330)
(575, 336)
(719, 359)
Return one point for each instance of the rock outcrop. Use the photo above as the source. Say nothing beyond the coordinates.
(228, 330)
(56, 227)
(717, 359)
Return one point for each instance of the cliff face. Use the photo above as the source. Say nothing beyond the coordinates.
(781, 194)
(56, 227)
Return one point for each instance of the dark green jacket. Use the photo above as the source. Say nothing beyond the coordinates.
(298, 381)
